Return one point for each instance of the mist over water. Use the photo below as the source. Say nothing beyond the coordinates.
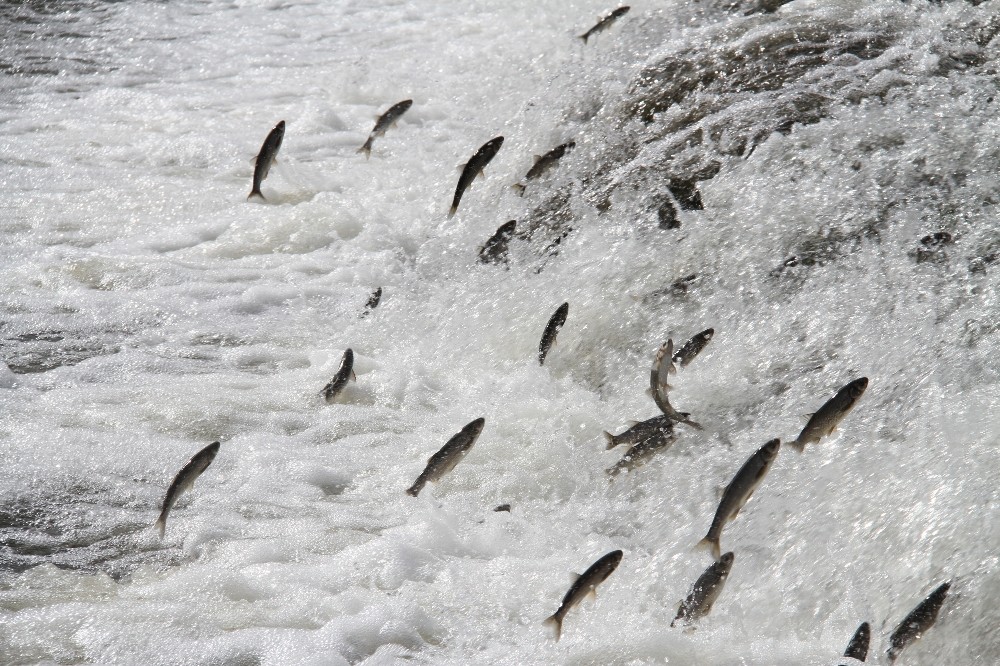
(768, 170)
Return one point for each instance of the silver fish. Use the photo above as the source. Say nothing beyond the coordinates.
(641, 430)
(828, 417)
(450, 455)
(658, 385)
(917, 622)
(556, 322)
(344, 374)
(858, 647)
(474, 168)
(494, 251)
(705, 591)
(372, 303)
(605, 23)
(641, 453)
(265, 158)
(584, 586)
(545, 162)
(739, 491)
(384, 122)
(693, 347)
(184, 481)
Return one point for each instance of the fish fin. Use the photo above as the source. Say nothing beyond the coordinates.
(354, 377)
(556, 624)
(519, 187)
(366, 148)
(592, 595)
(710, 545)
(610, 439)
(452, 211)
(573, 577)
(161, 525)
(415, 489)
(633, 422)
(584, 38)
(798, 446)
(536, 158)
(461, 167)
(481, 173)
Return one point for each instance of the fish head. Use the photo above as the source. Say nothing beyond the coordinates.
(613, 559)
(726, 562)
(621, 11)
(493, 146)
(279, 129)
(476, 427)
(857, 388)
(507, 228)
(770, 450)
(707, 334)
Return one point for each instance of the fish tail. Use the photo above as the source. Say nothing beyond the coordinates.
(519, 187)
(798, 445)
(610, 440)
(452, 211)
(367, 148)
(708, 543)
(584, 38)
(555, 623)
(417, 486)
(693, 424)
(255, 192)
(161, 525)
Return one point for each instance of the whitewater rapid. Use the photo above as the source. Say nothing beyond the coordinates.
(148, 309)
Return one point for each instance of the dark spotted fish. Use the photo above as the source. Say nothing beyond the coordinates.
(372, 303)
(556, 322)
(693, 347)
(384, 122)
(265, 158)
(858, 647)
(184, 481)
(450, 455)
(584, 586)
(344, 374)
(658, 385)
(494, 251)
(643, 430)
(917, 622)
(706, 590)
(474, 168)
(642, 453)
(605, 23)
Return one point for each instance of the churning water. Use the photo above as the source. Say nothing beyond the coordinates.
(767, 169)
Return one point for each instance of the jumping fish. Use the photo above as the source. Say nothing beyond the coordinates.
(584, 586)
(917, 622)
(858, 647)
(384, 122)
(556, 322)
(833, 411)
(661, 425)
(658, 385)
(372, 303)
(494, 251)
(545, 162)
(641, 453)
(605, 23)
(184, 481)
(450, 455)
(739, 491)
(265, 158)
(693, 347)
(705, 591)
(339, 381)
(474, 168)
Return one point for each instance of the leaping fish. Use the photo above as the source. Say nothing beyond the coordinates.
(544, 162)
(642, 430)
(344, 374)
(828, 417)
(706, 590)
(658, 385)
(473, 169)
(605, 23)
(265, 158)
(584, 586)
(693, 347)
(739, 491)
(384, 122)
(917, 622)
(450, 455)
(556, 322)
(494, 251)
(184, 481)
(641, 453)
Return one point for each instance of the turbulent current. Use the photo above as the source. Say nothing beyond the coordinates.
(818, 181)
